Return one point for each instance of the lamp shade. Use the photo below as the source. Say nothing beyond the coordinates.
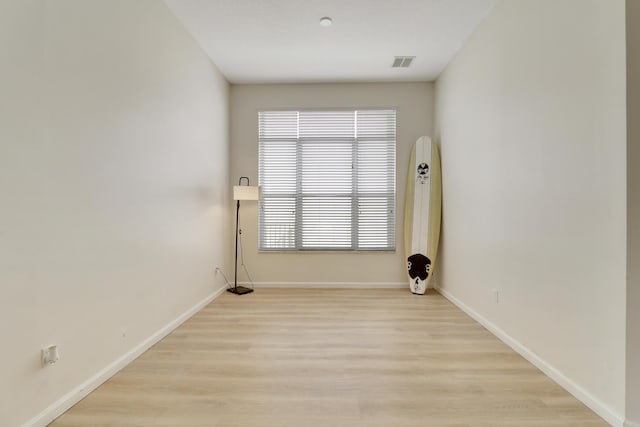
(246, 192)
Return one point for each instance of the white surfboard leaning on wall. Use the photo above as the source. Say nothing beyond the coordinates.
(423, 213)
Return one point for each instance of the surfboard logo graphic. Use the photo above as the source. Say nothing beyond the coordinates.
(419, 267)
(422, 173)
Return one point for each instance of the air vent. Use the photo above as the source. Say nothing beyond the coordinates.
(402, 61)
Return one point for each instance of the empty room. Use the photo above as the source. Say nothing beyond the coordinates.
(279, 213)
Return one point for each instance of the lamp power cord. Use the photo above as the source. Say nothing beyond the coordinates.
(244, 267)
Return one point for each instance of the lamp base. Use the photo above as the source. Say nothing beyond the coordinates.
(240, 290)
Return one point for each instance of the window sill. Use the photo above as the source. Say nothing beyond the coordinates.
(319, 251)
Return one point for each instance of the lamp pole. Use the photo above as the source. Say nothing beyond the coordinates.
(235, 274)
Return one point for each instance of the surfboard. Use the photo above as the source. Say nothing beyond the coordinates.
(423, 213)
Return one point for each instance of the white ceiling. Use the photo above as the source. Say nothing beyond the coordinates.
(281, 41)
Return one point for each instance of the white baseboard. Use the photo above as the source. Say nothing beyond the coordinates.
(628, 423)
(332, 285)
(74, 396)
(578, 392)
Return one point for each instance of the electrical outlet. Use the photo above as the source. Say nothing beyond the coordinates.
(218, 270)
(50, 355)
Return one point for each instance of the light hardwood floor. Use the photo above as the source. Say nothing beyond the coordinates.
(321, 357)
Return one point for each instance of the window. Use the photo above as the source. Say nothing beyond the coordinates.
(328, 180)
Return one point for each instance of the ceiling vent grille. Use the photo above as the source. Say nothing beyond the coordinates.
(402, 61)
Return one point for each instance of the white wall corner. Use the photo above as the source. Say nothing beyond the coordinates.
(601, 409)
(60, 406)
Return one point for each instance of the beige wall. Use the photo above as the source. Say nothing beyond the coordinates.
(414, 118)
(114, 183)
(633, 213)
(531, 120)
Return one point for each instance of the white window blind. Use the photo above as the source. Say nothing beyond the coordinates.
(328, 180)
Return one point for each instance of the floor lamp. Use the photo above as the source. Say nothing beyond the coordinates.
(242, 192)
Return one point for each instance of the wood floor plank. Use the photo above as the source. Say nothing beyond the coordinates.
(330, 357)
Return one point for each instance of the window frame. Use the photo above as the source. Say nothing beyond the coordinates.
(354, 195)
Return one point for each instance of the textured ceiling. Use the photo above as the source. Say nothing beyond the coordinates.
(281, 41)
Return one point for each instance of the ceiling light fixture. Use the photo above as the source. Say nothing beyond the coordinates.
(325, 21)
